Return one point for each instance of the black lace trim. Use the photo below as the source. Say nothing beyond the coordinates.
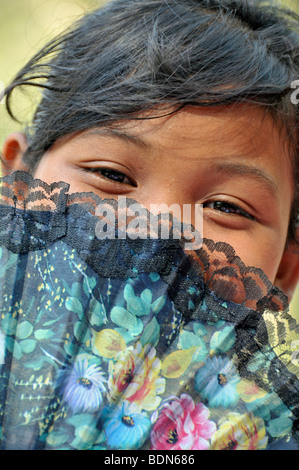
(212, 279)
(35, 214)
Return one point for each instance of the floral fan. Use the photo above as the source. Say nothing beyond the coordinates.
(123, 343)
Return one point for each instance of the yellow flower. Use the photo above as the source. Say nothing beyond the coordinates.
(240, 432)
(135, 377)
(108, 343)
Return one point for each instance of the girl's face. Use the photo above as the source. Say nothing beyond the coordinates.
(235, 163)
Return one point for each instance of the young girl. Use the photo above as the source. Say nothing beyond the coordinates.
(176, 102)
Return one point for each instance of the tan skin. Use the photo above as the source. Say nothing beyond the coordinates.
(235, 162)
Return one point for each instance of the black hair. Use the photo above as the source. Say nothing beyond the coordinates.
(132, 56)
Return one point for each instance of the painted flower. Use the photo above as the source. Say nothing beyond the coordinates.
(182, 425)
(240, 432)
(217, 382)
(135, 377)
(83, 386)
(126, 427)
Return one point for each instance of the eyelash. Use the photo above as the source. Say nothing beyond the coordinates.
(228, 207)
(107, 171)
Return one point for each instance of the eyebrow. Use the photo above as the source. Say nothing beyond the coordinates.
(221, 167)
(111, 132)
(242, 169)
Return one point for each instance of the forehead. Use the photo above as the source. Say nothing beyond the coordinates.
(244, 126)
(194, 136)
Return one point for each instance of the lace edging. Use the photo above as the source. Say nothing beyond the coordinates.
(35, 214)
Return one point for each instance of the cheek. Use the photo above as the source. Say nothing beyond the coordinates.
(261, 249)
(46, 170)
(265, 256)
(52, 168)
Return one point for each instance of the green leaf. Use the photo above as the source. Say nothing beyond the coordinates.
(138, 306)
(80, 420)
(74, 305)
(38, 362)
(158, 304)
(98, 314)
(43, 334)
(85, 430)
(89, 284)
(154, 277)
(27, 346)
(85, 437)
(199, 329)
(151, 333)
(125, 334)
(70, 348)
(223, 340)
(17, 351)
(51, 322)
(9, 325)
(24, 330)
(7, 263)
(56, 439)
(146, 296)
(188, 340)
(280, 427)
(124, 319)
(9, 343)
(81, 333)
(76, 287)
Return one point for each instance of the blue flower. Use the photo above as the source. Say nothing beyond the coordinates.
(216, 382)
(126, 427)
(84, 386)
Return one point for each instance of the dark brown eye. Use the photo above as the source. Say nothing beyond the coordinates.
(114, 175)
(228, 208)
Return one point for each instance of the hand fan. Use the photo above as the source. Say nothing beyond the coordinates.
(126, 342)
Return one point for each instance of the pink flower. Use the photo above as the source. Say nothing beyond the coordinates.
(182, 425)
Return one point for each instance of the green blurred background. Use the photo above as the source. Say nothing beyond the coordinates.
(25, 25)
